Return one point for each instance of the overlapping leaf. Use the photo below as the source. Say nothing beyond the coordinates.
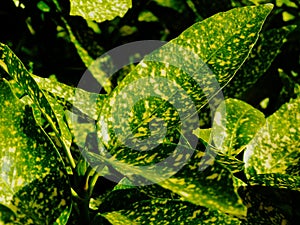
(178, 74)
(275, 148)
(162, 211)
(189, 67)
(235, 124)
(262, 55)
(34, 184)
(99, 10)
(52, 112)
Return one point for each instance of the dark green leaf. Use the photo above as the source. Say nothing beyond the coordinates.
(262, 55)
(33, 182)
(168, 212)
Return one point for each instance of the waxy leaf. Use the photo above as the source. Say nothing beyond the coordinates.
(33, 180)
(172, 75)
(51, 111)
(235, 124)
(276, 147)
(155, 108)
(161, 211)
(262, 55)
(99, 10)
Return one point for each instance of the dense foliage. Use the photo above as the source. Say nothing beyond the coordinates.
(204, 130)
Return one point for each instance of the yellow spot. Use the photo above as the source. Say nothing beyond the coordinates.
(41, 195)
(63, 202)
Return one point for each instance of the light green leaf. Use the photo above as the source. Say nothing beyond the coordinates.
(160, 211)
(33, 181)
(276, 147)
(47, 106)
(204, 135)
(235, 124)
(99, 10)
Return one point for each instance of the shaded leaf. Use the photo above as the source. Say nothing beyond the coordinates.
(99, 10)
(277, 180)
(33, 182)
(275, 148)
(272, 206)
(161, 211)
(235, 124)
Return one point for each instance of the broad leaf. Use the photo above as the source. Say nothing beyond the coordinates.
(235, 124)
(33, 182)
(165, 91)
(99, 10)
(146, 95)
(277, 180)
(168, 212)
(275, 148)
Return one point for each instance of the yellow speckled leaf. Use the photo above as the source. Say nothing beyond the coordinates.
(235, 124)
(33, 180)
(276, 147)
(163, 212)
(99, 10)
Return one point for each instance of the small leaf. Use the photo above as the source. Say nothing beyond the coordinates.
(235, 124)
(275, 148)
(33, 182)
(99, 10)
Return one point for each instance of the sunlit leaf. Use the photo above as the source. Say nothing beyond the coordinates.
(262, 55)
(33, 180)
(99, 10)
(275, 148)
(52, 112)
(235, 124)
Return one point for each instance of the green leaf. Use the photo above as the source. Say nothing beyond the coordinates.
(47, 106)
(72, 98)
(235, 124)
(146, 94)
(268, 205)
(99, 10)
(261, 56)
(160, 211)
(275, 148)
(33, 182)
(277, 180)
(204, 135)
(211, 52)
